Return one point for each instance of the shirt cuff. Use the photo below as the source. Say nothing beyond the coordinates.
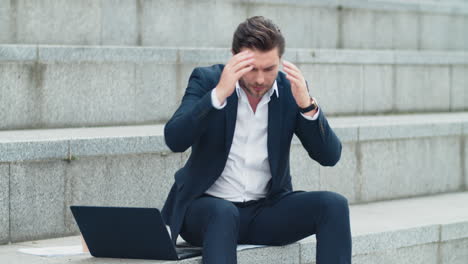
(314, 117)
(215, 101)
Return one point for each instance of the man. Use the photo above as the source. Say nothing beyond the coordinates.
(239, 120)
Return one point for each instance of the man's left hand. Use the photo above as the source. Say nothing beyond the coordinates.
(298, 84)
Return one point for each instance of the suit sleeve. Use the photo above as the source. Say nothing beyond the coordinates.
(318, 139)
(190, 119)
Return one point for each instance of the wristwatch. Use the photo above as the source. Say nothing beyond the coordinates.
(313, 105)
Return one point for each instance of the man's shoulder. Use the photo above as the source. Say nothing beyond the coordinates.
(213, 71)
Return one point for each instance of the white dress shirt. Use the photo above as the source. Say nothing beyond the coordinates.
(247, 172)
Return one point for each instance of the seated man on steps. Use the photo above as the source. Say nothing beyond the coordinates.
(239, 120)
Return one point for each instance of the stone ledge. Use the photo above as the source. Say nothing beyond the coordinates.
(378, 228)
(161, 55)
(22, 145)
(391, 5)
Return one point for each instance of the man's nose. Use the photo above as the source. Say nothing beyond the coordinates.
(260, 78)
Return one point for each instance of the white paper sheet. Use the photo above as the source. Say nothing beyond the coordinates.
(54, 251)
(183, 244)
(245, 246)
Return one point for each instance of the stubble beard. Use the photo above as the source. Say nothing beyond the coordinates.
(251, 91)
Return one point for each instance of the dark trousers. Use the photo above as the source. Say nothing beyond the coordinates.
(218, 225)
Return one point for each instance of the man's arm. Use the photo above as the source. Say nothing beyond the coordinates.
(316, 135)
(189, 121)
(318, 139)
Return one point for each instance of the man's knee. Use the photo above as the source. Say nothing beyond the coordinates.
(334, 205)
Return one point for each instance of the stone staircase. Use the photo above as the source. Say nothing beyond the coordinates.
(86, 87)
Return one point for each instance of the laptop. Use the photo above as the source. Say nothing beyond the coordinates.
(128, 232)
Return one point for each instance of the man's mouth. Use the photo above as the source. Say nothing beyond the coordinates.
(258, 88)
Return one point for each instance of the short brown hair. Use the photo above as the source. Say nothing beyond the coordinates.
(258, 33)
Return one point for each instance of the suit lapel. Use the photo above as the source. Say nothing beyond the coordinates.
(274, 132)
(231, 115)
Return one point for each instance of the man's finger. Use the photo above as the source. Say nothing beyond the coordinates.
(292, 72)
(241, 56)
(235, 60)
(242, 64)
(291, 69)
(290, 65)
(293, 80)
(243, 71)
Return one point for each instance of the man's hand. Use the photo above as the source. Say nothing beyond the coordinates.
(298, 84)
(237, 66)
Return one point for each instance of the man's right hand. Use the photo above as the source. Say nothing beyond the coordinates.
(234, 69)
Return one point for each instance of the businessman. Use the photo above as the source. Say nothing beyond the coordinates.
(239, 119)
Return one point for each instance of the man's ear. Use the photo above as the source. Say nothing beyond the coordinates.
(232, 52)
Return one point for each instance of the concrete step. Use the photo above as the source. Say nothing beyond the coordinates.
(349, 24)
(383, 157)
(425, 230)
(73, 86)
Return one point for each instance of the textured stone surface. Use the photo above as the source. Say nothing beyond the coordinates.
(408, 131)
(319, 28)
(37, 200)
(454, 231)
(460, 38)
(366, 29)
(333, 85)
(378, 90)
(406, 30)
(281, 255)
(384, 216)
(156, 97)
(394, 239)
(79, 94)
(129, 180)
(20, 53)
(422, 88)
(304, 170)
(420, 254)
(436, 30)
(344, 177)
(454, 252)
(191, 17)
(459, 91)
(327, 24)
(20, 100)
(382, 232)
(5, 22)
(119, 22)
(465, 154)
(106, 54)
(384, 246)
(4, 203)
(91, 86)
(117, 146)
(19, 151)
(52, 22)
(410, 167)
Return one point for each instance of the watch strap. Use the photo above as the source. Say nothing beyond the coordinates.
(313, 105)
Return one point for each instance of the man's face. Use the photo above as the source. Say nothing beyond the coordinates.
(260, 79)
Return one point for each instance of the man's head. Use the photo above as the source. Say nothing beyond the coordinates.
(258, 33)
(260, 36)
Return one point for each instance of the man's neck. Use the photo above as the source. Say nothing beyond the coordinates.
(253, 101)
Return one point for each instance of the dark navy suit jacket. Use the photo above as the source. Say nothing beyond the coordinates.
(209, 132)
